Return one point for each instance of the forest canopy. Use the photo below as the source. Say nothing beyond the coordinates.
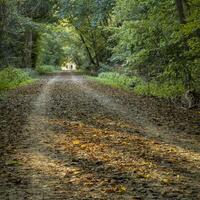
(156, 41)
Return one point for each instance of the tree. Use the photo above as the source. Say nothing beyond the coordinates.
(157, 38)
(180, 9)
(89, 18)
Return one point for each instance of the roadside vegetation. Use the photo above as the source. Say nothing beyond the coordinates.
(117, 80)
(139, 86)
(12, 77)
(46, 69)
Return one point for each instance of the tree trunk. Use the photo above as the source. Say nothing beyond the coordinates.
(97, 66)
(97, 62)
(180, 9)
(34, 50)
(28, 49)
(87, 49)
(182, 18)
(77, 61)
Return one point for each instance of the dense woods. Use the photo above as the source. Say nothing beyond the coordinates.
(156, 41)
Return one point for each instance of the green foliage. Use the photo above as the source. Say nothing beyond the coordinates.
(31, 72)
(104, 68)
(152, 40)
(89, 20)
(134, 83)
(118, 80)
(45, 69)
(21, 24)
(164, 90)
(51, 46)
(11, 77)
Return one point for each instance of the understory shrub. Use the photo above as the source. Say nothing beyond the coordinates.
(45, 69)
(31, 72)
(12, 77)
(118, 80)
(164, 90)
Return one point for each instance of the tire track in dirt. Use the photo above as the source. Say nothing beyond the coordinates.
(33, 166)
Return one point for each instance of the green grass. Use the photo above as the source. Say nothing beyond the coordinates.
(164, 90)
(12, 77)
(46, 69)
(116, 80)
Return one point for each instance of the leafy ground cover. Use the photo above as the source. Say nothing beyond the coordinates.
(12, 77)
(165, 90)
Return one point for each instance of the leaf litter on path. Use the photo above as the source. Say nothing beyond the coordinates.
(74, 146)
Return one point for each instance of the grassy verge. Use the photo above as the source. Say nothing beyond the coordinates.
(116, 80)
(12, 78)
(164, 90)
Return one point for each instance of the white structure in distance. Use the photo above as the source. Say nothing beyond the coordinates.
(69, 66)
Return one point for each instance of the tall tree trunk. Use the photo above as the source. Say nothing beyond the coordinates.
(182, 17)
(77, 61)
(87, 49)
(180, 9)
(97, 66)
(34, 49)
(28, 49)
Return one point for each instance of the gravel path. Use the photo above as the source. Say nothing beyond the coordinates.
(65, 137)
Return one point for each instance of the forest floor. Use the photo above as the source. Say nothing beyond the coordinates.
(65, 137)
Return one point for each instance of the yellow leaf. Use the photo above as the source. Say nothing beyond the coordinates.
(76, 142)
(165, 181)
(124, 143)
(76, 172)
(83, 146)
(122, 189)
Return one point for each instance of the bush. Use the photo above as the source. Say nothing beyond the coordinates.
(45, 69)
(104, 68)
(119, 80)
(32, 73)
(12, 77)
(165, 90)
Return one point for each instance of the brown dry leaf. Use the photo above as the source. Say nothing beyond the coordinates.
(110, 190)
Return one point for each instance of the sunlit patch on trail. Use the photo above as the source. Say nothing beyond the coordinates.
(134, 157)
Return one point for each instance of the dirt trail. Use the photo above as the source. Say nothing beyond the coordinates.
(69, 138)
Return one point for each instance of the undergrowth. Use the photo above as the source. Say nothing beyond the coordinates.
(136, 84)
(46, 69)
(117, 80)
(164, 90)
(11, 77)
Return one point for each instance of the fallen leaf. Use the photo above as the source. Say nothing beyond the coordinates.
(76, 142)
(122, 189)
